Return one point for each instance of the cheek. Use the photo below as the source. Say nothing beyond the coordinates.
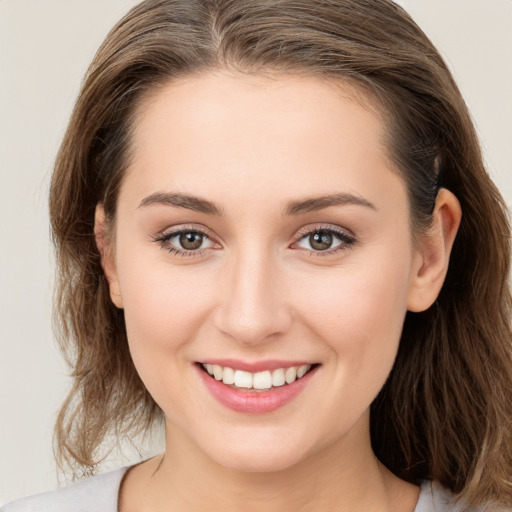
(360, 321)
(359, 310)
(161, 307)
(164, 309)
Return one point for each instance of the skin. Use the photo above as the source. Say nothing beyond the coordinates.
(257, 290)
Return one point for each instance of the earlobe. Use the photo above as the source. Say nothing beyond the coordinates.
(433, 252)
(103, 242)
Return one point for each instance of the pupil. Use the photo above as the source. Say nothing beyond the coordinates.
(320, 241)
(191, 241)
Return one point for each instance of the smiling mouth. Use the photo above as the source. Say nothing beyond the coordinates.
(257, 382)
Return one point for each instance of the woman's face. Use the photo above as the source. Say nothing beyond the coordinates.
(260, 227)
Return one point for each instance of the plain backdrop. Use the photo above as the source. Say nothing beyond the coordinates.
(45, 48)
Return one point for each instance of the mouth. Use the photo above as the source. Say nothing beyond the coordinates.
(266, 380)
(259, 392)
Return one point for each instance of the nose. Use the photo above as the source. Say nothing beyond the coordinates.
(253, 308)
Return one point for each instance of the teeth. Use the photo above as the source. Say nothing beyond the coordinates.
(278, 377)
(229, 376)
(301, 371)
(243, 379)
(217, 372)
(290, 374)
(260, 380)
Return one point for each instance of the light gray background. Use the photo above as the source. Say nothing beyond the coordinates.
(45, 48)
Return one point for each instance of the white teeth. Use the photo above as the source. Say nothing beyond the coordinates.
(301, 371)
(278, 377)
(217, 372)
(260, 380)
(243, 379)
(290, 375)
(229, 376)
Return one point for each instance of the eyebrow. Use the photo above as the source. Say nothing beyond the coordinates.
(293, 208)
(318, 203)
(182, 201)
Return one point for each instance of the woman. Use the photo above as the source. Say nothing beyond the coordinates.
(276, 234)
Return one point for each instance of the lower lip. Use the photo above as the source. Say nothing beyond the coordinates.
(254, 402)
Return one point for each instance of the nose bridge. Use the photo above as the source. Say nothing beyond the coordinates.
(253, 305)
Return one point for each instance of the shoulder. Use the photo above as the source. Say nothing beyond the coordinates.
(89, 495)
(436, 498)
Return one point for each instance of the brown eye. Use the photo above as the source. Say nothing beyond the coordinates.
(325, 240)
(186, 242)
(321, 241)
(191, 241)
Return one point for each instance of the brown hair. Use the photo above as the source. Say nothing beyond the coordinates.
(445, 412)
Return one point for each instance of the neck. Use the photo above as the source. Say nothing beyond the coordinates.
(344, 476)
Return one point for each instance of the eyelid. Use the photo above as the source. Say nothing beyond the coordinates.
(314, 228)
(185, 228)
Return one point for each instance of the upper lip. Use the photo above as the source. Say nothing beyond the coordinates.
(256, 366)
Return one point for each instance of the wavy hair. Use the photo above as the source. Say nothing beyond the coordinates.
(445, 412)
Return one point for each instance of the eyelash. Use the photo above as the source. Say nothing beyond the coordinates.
(346, 240)
(164, 241)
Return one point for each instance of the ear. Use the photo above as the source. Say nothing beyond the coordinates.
(433, 252)
(104, 244)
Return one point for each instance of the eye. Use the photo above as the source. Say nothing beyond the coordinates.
(185, 241)
(325, 240)
(190, 241)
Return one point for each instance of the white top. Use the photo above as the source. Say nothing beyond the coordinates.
(100, 494)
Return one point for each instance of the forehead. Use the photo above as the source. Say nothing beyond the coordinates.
(231, 131)
(223, 96)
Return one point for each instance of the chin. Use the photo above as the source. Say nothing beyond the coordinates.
(266, 461)
(263, 454)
